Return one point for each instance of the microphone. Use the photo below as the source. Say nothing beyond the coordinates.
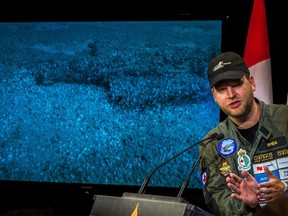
(147, 179)
(186, 182)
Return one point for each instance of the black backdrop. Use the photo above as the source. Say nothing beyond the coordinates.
(73, 199)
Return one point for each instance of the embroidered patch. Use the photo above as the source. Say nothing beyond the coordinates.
(275, 143)
(225, 168)
(227, 147)
(244, 160)
(204, 177)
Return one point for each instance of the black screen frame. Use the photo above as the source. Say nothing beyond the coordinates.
(184, 12)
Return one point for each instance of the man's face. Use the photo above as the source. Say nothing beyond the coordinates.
(235, 97)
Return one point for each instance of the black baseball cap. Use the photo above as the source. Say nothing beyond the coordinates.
(228, 65)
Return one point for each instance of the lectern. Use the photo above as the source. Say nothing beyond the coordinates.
(132, 204)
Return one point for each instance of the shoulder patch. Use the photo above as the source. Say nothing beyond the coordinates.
(204, 176)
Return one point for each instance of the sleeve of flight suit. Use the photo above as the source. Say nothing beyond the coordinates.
(216, 194)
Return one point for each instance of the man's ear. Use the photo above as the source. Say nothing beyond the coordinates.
(253, 84)
(212, 91)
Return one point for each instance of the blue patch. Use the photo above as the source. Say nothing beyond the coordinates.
(263, 177)
(227, 147)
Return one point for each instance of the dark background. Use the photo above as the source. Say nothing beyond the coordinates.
(74, 199)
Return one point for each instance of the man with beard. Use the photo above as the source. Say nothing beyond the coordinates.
(249, 167)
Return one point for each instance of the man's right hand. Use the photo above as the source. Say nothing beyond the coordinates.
(243, 189)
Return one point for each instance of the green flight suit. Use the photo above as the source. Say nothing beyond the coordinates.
(234, 152)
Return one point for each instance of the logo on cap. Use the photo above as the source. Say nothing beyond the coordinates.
(220, 64)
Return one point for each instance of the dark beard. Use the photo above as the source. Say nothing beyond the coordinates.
(246, 109)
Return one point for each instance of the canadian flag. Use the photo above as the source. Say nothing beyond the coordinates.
(257, 52)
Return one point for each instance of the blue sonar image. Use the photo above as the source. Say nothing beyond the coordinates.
(105, 102)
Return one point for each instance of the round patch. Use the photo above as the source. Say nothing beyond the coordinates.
(227, 147)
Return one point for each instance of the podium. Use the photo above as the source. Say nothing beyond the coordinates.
(132, 204)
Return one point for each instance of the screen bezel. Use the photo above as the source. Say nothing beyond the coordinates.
(78, 15)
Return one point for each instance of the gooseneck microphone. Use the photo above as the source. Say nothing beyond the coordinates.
(147, 179)
(186, 182)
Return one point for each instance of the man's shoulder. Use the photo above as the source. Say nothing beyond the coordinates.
(279, 111)
(273, 106)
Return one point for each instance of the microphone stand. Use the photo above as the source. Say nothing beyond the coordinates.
(147, 179)
(186, 182)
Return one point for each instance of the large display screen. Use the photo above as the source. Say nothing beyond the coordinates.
(105, 102)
